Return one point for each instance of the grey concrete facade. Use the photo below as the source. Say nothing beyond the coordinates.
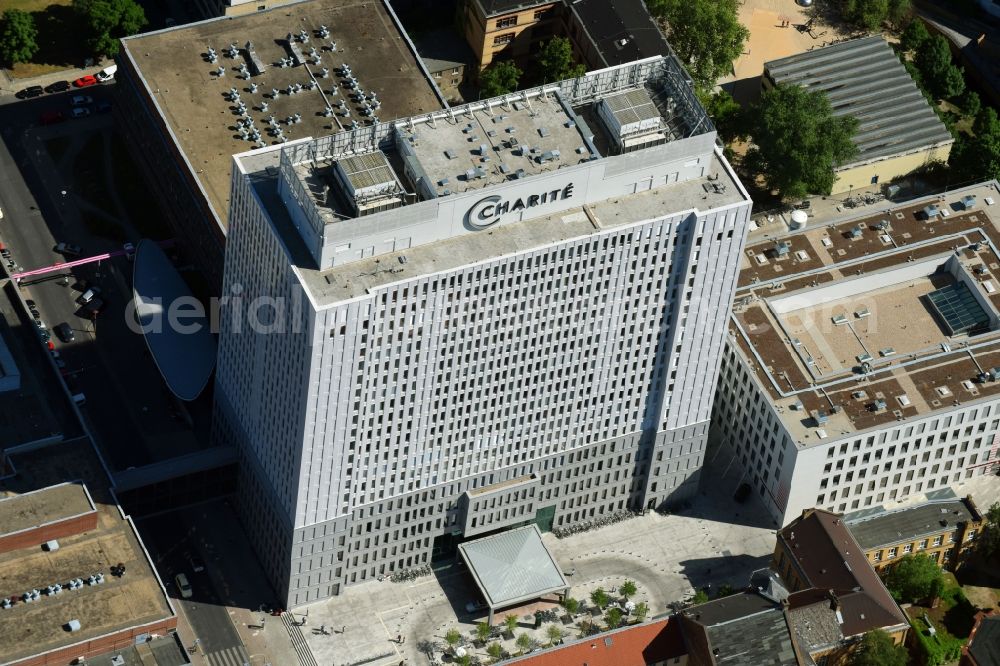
(385, 411)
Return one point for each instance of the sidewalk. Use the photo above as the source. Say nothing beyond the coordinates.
(241, 584)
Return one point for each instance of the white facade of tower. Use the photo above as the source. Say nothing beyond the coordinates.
(459, 377)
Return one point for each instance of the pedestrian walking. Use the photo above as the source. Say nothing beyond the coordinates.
(399, 638)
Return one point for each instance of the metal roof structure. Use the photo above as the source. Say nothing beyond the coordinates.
(958, 309)
(184, 353)
(864, 78)
(886, 527)
(512, 566)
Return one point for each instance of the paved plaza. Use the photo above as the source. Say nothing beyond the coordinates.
(714, 542)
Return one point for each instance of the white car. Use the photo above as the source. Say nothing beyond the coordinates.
(81, 100)
(184, 586)
(81, 112)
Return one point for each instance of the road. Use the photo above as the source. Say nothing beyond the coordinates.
(171, 539)
(136, 421)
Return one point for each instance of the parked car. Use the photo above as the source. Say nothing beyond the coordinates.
(81, 100)
(107, 74)
(80, 112)
(51, 117)
(184, 586)
(29, 92)
(85, 81)
(129, 250)
(65, 332)
(58, 86)
(67, 249)
(197, 564)
(88, 295)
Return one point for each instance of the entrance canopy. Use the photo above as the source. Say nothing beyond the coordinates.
(512, 567)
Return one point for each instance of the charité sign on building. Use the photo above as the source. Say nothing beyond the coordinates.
(489, 210)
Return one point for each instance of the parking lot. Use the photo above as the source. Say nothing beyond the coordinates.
(71, 182)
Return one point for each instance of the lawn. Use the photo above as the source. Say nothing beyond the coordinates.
(59, 36)
(952, 619)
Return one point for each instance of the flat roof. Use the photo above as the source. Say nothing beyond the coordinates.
(806, 318)
(21, 512)
(135, 599)
(495, 145)
(512, 566)
(193, 101)
(622, 31)
(865, 79)
(357, 278)
(888, 526)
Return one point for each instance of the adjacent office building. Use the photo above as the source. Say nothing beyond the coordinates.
(472, 319)
(191, 97)
(862, 364)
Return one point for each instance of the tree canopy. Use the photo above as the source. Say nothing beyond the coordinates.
(877, 649)
(914, 36)
(499, 78)
(989, 540)
(18, 37)
(871, 14)
(706, 35)
(725, 112)
(555, 61)
(940, 75)
(797, 141)
(914, 578)
(978, 158)
(108, 21)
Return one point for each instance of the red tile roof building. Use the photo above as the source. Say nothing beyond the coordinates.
(656, 643)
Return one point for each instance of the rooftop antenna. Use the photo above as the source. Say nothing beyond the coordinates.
(252, 88)
(221, 72)
(324, 73)
(274, 93)
(263, 107)
(332, 46)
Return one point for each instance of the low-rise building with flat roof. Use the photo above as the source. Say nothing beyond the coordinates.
(863, 359)
(898, 130)
(943, 527)
(75, 579)
(194, 95)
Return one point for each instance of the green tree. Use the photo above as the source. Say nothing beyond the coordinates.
(628, 589)
(797, 141)
(525, 642)
(499, 78)
(989, 541)
(706, 35)
(453, 638)
(699, 597)
(483, 630)
(510, 622)
(109, 20)
(613, 618)
(599, 598)
(726, 114)
(555, 633)
(914, 36)
(571, 605)
(18, 37)
(555, 61)
(914, 578)
(495, 650)
(464, 660)
(871, 14)
(641, 611)
(877, 649)
(940, 75)
(971, 104)
(725, 591)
